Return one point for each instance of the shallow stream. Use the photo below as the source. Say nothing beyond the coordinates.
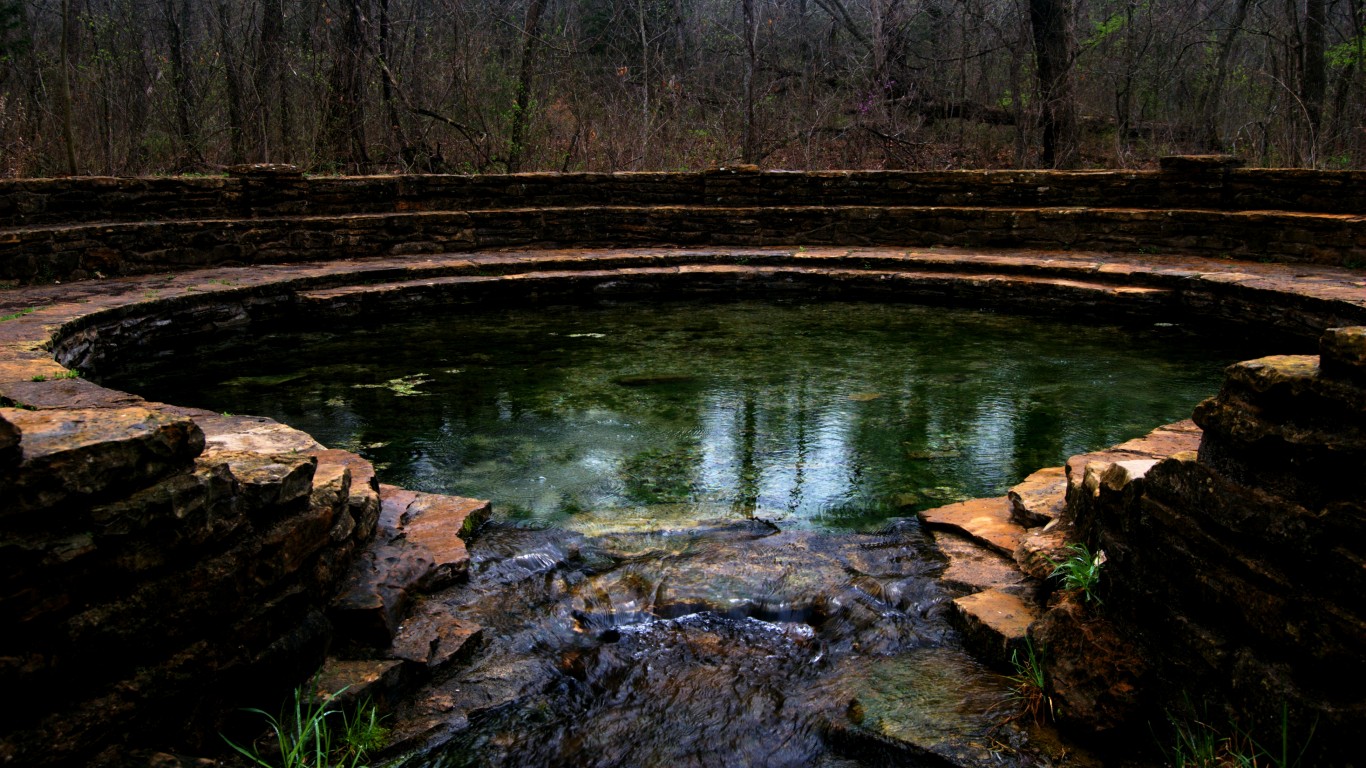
(704, 549)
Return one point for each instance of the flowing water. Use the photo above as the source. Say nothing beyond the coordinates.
(704, 549)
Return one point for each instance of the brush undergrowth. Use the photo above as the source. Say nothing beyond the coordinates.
(317, 734)
(1027, 684)
(1199, 744)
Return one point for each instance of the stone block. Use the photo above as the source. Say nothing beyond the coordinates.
(346, 682)
(987, 521)
(77, 457)
(1342, 353)
(363, 493)
(254, 434)
(169, 521)
(418, 548)
(432, 636)
(1039, 498)
(10, 453)
(973, 568)
(994, 624)
(269, 483)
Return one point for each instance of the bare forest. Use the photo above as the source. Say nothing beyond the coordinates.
(136, 87)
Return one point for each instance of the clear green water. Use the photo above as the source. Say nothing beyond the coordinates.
(813, 415)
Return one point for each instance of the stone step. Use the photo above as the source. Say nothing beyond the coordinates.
(973, 567)
(1084, 470)
(380, 297)
(986, 521)
(433, 636)
(1040, 498)
(994, 624)
(352, 681)
(70, 458)
(417, 549)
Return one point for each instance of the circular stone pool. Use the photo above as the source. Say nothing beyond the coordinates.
(704, 549)
(827, 415)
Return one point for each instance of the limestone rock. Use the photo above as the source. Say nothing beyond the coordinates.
(433, 636)
(1278, 423)
(1119, 474)
(9, 445)
(416, 549)
(984, 520)
(1039, 498)
(1197, 163)
(994, 623)
(83, 456)
(433, 524)
(269, 482)
(353, 681)
(188, 510)
(66, 393)
(1342, 353)
(1042, 548)
(363, 495)
(254, 434)
(973, 568)
(1093, 673)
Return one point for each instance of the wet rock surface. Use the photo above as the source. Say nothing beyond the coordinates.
(720, 643)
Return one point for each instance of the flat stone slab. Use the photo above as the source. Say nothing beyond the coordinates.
(87, 454)
(973, 568)
(433, 636)
(353, 681)
(255, 434)
(994, 623)
(417, 549)
(987, 521)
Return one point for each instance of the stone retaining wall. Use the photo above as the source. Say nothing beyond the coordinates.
(274, 191)
(1238, 570)
(150, 582)
(58, 230)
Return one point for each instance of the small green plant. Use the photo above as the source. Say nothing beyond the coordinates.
(19, 314)
(363, 732)
(1028, 683)
(1199, 744)
(1080, 571)
(304, 735)
(38, 377)
(68, 375)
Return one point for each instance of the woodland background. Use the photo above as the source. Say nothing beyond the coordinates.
(136, 87)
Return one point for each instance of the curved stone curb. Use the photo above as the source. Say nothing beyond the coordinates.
(46, 331)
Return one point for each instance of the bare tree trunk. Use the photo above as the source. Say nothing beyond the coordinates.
(749, 150)
(1054, 47)
(232, 83)
(180, 81)
(1314, 67)
(400, 139)
(645, 79)
(531, 29)
(268, 84)
(1213, 98)
(346, 118)
(68, 111)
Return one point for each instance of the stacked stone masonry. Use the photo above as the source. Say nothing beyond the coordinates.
(119, 516)
(85, 228)
(151, 578)
(1241, 566)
